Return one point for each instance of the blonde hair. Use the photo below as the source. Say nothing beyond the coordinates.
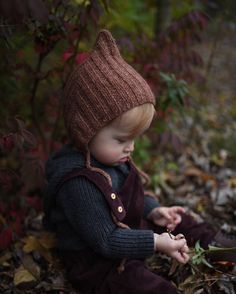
(136, 120)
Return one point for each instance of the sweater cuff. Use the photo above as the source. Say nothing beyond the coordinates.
(131, 244)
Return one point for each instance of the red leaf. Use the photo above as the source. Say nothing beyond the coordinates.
(66, 55)
(6, 237)
(7, 142)
(81, 57)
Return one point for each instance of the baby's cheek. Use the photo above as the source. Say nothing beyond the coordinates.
(108, 156)
(111, 154)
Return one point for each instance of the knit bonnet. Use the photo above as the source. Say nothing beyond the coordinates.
(100, 89)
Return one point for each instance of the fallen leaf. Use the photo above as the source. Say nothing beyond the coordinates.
(22, 275)
(2, 220)
(5, 257)
(195, 172)
(232, 182)
(31, 266)
(31, 244)
(186, 284)
(222, 195)
(42, 245)
(226, 287)
(48, 241)
(217, 160)
(174, 267)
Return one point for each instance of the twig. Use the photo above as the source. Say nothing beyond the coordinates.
(169, 233)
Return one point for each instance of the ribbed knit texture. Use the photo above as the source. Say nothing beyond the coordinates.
(100, 89)
(80, 215)
(91, 219)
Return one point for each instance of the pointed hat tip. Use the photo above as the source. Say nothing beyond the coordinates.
(105, 41)
(105, 32)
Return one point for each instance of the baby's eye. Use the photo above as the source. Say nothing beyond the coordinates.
(120, 140)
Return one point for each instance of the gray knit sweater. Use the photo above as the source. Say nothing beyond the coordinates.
(80, 215)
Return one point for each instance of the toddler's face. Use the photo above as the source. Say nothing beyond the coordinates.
(112, 145)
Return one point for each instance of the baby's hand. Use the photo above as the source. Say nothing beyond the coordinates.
(168, 217)
(175, 247)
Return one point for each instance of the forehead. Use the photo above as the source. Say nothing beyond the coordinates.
(116, 130)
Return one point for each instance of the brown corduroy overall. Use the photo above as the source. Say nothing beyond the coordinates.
(92, 273)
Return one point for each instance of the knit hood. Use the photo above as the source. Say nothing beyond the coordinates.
(101, 88)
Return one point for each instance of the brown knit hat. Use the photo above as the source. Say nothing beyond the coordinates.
(100, 89)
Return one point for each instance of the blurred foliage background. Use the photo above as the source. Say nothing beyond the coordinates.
(185, 50)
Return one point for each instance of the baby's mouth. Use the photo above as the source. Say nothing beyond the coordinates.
(123, 159)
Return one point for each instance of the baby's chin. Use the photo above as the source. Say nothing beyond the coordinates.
(114, 162)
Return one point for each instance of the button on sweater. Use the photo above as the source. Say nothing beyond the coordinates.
(80, 216)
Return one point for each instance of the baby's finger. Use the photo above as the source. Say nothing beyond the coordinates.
(184, 249)
(167, 215)
(177, 219)
(178, 209)
(184, 257)
(179, 244)
(181, 257)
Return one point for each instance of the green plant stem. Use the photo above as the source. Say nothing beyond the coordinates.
(215, 249)
(219, 249)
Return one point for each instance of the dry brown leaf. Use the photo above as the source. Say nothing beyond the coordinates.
(5, 257)
(22, 275)
(31, 244)
(31, 266)
(195, 172)
(232, 182)
(2, 220)
(174, 267)
(42, 245)
(188, 284)
(48, 241)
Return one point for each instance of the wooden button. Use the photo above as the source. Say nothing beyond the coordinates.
(120, 209)
(113, 196)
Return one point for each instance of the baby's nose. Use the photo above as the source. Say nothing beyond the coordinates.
(129, 147)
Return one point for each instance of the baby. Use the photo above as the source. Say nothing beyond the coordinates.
(95, 202)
